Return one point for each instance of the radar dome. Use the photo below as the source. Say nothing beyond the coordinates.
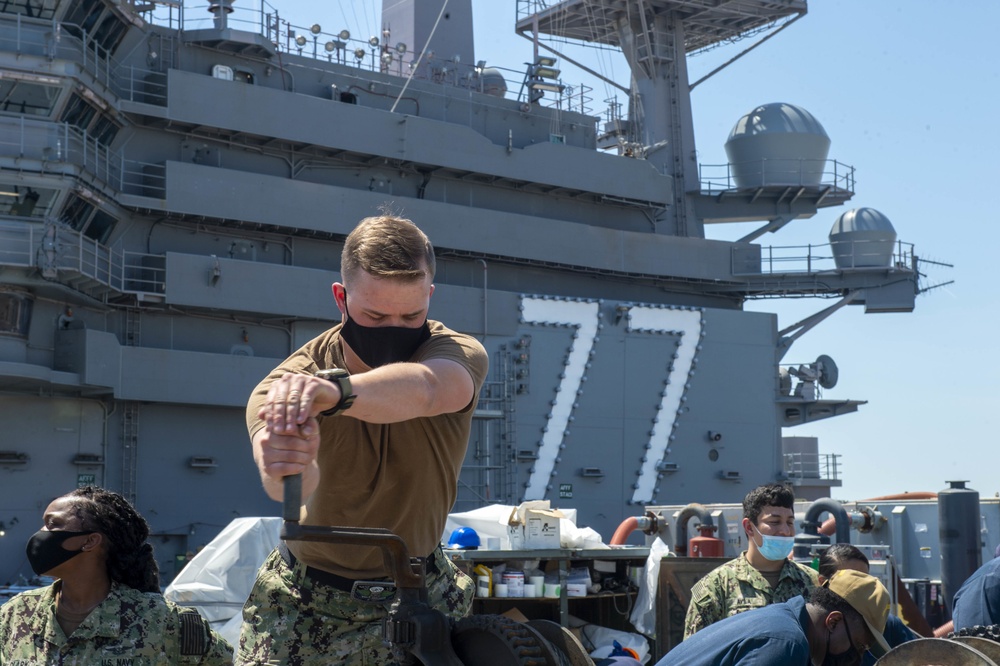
(862, 238)
(777, 144)
(493, 82)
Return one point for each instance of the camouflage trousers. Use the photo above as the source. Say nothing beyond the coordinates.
(293, 620)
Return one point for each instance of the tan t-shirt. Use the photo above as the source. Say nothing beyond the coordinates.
(400, 476)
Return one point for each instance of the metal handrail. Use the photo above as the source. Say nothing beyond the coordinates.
(53, 247)
(824, 466)
(857, 254)
(778, 172)
(50, 39)
(52, 143)
(265, 20)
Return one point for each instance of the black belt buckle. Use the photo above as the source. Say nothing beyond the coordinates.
(373, 591)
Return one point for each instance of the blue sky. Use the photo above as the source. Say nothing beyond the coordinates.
(909, 93)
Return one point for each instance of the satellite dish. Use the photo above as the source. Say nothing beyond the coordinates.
(828, 373)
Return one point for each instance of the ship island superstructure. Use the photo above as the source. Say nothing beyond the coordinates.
(176, 181)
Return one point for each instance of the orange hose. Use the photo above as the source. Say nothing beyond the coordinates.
(621, 534)
(920, 494)
(829, 525)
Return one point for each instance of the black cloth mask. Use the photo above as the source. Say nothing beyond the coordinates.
(849, 658)
(45, 551)
(381, 345)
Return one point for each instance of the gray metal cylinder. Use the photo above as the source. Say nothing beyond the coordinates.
(811, 524)
(961, 548)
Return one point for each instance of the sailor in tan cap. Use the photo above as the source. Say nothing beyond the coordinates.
(869, 598)
(836, 626)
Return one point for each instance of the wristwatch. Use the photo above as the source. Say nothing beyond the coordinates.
(342, 379)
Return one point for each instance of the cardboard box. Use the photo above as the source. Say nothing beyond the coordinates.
(515, 614)
(534, 525)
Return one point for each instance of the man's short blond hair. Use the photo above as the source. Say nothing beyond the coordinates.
(387, 246)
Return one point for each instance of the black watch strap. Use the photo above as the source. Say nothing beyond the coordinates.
(342, 379)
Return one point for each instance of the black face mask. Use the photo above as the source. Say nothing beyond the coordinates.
(381, 345)
(45, 551)
(849, 658)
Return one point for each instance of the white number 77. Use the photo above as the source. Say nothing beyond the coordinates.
(584, 316)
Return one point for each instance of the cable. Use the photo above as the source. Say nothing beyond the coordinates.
(420, 58)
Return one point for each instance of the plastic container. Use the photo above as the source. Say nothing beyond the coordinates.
(514, 580)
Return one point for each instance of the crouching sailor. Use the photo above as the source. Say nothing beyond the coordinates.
(836, 627)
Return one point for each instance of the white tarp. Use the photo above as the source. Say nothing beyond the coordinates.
(491, 522)
(217, 581)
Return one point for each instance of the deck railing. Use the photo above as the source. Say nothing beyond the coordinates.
(376, 53)
(716, 178)
(54, 143)
(822, 466)
(58, 250)
(812, 259)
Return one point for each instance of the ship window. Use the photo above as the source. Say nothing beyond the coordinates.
(42, 9)
(100, 226)
(83, 17)
(85, 116)
(243, 76)
(105, 130)
(15, 313)
(21, 201)
(31, 99)
(103, 28)
(77, 213)
(110, 34)
(78, 112)
(86, 218)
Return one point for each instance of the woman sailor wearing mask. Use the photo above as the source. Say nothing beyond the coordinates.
(105, 606)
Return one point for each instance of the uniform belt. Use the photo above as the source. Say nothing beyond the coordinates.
(332, 579)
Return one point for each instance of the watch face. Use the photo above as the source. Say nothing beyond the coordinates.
(341, 378)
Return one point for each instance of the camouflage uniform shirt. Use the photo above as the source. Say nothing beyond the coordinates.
(128, 627)
(736, 586)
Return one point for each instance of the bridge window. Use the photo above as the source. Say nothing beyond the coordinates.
(22, 201)
(30, 99)
(85, 116)
(78, 112)
(101, 25)
(15, 313)
(109, 34)
(88, 219)
(40, 9)
(104, 130)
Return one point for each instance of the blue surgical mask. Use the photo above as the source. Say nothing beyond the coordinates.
(774, 548)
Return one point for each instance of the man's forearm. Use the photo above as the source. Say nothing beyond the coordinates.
(403, 391)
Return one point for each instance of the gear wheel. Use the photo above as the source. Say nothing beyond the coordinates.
(571, 649)
(495, 640)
